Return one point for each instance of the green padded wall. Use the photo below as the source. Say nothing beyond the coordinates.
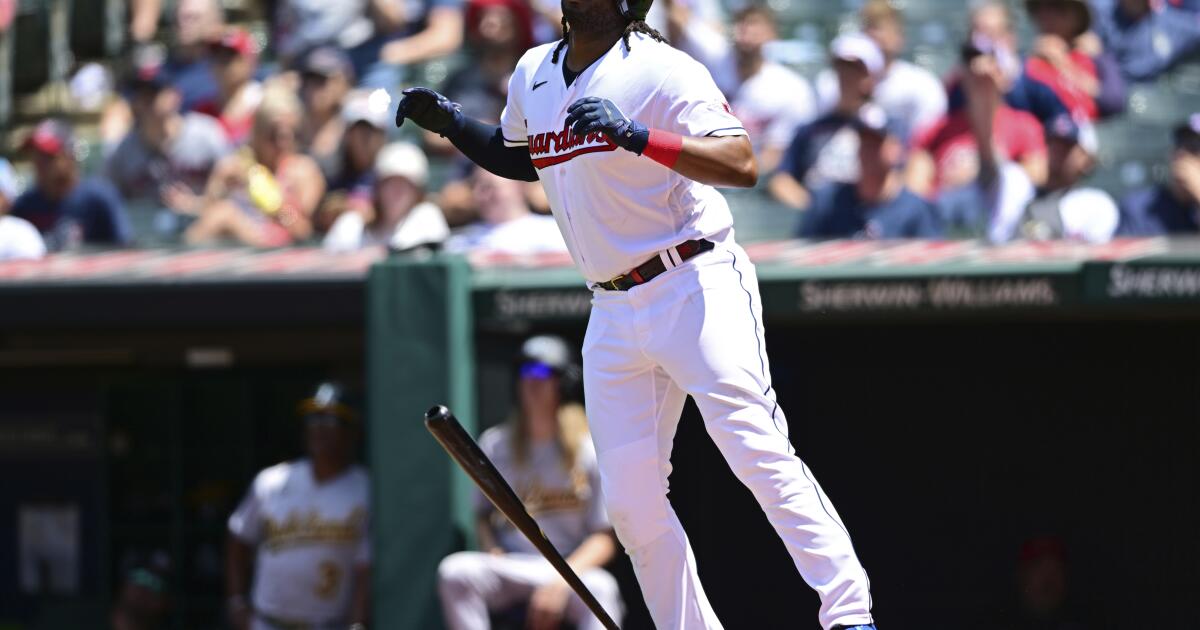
(419, 354)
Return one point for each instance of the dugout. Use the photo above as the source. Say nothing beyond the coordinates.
(961, 404)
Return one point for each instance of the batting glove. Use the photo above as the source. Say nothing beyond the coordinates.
(600, 114)
(429, 110)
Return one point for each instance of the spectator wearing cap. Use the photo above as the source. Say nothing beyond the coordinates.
(826, 150)
(366, 119)
(498, 33)
(19, 240)
(877, 206)
(166, 159)
(264, 194)
(302, 530)
(1148, 37)
(506, 224)
(143, 600)
(1172, 207)
(235, 61)
(771, 101)
(326, 77)
(910, 94)
(381, 36)
(1064, 208)
(67, 209)
(400, 217)
(189, 62)
(1057, 61)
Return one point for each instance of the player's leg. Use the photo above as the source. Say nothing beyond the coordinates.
(633, 409)
(709, 338)
(472, 583)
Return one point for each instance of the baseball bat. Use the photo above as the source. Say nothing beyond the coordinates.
(450, 434)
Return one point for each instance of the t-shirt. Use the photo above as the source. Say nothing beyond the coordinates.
(1081, 104)
(1148, 47)
(1017, 136)
(301, 25)
(615, 208)
(567, 504)
(480, 97)
(195, 81)
(91, 213)
(910, 95)
(532, 234)
(424, 225)
(823, 152)
(837, 211)
(19, 240)
(141, 172)
(1157, 212)
(310, 537)
(1026, 94)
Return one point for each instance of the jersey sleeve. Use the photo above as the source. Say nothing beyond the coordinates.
(246, 521)
(512, 118)
(694, 104)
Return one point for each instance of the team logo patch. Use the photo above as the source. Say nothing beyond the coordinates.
(557, 147)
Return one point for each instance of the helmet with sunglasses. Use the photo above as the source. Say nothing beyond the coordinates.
(543, 356)
(329, 398)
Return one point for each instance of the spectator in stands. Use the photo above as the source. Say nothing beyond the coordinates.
(143, 600)
(1172, 207)
(545, 452)
(982, 161)
(189, 64)
(992, 21)
(366, 117)
(826, 150)
(326, 76)
(498, 33)
(771, 101)
(381, 36)
(302, 531)
(1057, 58)
(912, 96)
(506, 223)
(18, 238)
(1064, 208)
(66, 208)
(1147, 37)
(877, 206)
(1043, 599)
(235, 60)
(263, 195)
(399, 217)
(166, 159)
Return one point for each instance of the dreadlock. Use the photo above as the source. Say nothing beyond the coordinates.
(636, 26)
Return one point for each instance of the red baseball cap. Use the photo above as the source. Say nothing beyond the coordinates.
(51, 137)
(238, 40)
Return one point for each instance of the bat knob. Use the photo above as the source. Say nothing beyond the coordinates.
(438, 413)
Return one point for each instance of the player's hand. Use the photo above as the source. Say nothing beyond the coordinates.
(428, 109)
(600, 114)
(547, 606)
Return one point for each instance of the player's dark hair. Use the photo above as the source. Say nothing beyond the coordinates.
(636, 26)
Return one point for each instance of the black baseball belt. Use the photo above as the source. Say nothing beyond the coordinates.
(650, 269)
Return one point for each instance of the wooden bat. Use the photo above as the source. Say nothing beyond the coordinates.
(450, 434)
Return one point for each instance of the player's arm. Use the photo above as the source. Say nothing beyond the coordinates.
(238, 563)
(713, 160)
(360, 601)
(482, 143)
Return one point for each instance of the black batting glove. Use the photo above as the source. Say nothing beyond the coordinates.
(600, 114)
(429, 110)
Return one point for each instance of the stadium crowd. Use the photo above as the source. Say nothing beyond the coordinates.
(279, 132)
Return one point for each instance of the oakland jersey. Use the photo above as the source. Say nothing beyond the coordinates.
(617, 209)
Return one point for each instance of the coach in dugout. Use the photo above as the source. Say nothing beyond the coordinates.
(546, 454)
(303, 526)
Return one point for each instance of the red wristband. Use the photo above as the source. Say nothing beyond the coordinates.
(663, 147)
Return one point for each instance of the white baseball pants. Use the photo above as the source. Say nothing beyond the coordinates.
(697, 330)
(471, 583)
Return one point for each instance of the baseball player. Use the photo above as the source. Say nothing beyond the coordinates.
(307, 520)
(546, 455)
(628, 136)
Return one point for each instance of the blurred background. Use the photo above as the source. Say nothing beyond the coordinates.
(975, 224)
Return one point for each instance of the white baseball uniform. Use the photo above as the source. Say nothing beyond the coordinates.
(310, 537)
(567, 505)
(696, 329)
